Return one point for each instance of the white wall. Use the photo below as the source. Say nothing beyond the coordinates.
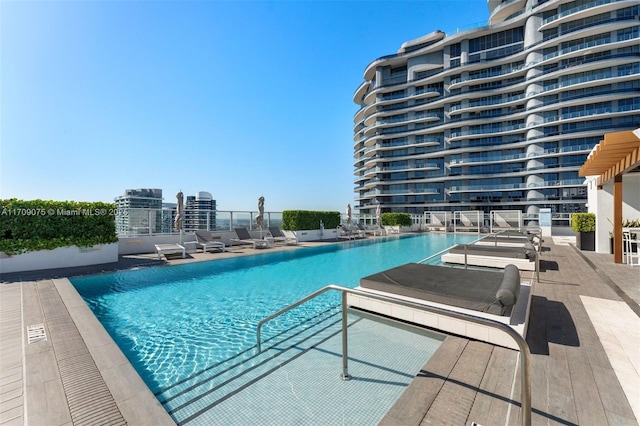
(61, 257)
(600, 202)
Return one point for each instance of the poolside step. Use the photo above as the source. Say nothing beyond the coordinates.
(189, 399)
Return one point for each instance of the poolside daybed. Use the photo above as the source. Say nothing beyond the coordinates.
(492, 256)
(497, 295)
(512, 238)
(494, 292)
(440, 221)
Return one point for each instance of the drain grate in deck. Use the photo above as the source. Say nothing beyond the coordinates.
(36, 333)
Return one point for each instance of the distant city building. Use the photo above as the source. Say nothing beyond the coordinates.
(140, 212)
(501, 116)
(200, 212)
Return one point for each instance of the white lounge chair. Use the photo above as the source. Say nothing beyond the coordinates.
(279, 236)
(206, 241)
(392, 229)
(245, 238)
(375, 230)
(346, 233)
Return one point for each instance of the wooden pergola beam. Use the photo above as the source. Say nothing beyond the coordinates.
(617, 154)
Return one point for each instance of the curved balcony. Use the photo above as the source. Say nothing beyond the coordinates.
(465, 81)
(504, 10)
(504, 130)
(517, 186)
(459, 162)
(592, 47)
(395, 192)
(585, 10)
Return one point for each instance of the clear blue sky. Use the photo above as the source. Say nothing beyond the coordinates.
(237, 98)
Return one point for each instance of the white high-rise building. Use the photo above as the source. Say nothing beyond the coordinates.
(200, 212)
(140, 212)
(498, 117)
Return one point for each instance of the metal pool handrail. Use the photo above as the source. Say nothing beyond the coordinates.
(525, 365)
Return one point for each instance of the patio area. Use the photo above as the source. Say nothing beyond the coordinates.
(58, 366)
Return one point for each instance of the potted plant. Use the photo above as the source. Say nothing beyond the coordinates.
(584, 225)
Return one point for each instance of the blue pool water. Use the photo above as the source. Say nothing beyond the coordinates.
(173, 321)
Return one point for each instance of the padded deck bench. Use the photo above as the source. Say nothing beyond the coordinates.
(487, 255)
(494, 292)
(497, 295)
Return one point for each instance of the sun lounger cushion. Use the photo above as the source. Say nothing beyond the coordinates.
(475, 290)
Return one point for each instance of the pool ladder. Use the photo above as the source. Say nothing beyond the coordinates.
(525, 365)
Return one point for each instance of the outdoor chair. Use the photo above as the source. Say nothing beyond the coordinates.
(245, 238)
(279, 236)
(206, 241)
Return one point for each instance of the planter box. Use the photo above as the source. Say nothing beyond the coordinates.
(61, 257)
(586, 241)
(316, 235)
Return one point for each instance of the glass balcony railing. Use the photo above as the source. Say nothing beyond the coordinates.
(577, 9)
(511, 186)
(143, 221)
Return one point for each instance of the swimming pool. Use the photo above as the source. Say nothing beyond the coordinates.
(172, 322)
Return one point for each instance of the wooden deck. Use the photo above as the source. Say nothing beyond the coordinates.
(573, 380)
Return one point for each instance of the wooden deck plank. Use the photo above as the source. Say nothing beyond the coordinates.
(585, 391)
(453, 404)
(414, 403)
(614, 401)
(493, 401)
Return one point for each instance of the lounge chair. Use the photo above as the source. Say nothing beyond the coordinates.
(170, 248)
(524, 257)
(392, 229)
(245, 238)
(345, 233)
(497, 295)
(375, 230)
(279, 236)
(360, 231)
(206, 241)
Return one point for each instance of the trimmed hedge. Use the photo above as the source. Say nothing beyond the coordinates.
(302, 220)
(583, 222)
(45, 225)
(396, 219)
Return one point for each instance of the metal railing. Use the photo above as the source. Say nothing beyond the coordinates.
(525, 365)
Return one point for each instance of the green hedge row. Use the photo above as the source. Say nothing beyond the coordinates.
(301, 220)
(45, 225)
(396, 219)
